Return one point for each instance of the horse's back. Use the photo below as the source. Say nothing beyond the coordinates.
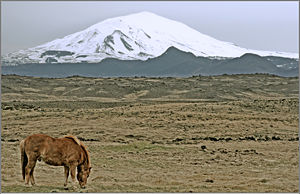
(38, 137)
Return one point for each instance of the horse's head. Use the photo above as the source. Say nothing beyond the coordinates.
(82, 175)
(84, 169)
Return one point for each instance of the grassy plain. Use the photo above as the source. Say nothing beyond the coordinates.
(235, 133)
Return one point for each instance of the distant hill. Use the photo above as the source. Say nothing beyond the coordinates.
(173, 62)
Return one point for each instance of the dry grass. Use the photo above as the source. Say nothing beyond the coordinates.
(159, 135)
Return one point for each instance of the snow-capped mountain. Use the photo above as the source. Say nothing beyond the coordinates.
(137, 36)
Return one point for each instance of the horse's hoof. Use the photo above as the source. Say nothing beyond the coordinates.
(66, 188)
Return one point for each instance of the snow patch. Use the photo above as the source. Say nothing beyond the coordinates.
(137, 36)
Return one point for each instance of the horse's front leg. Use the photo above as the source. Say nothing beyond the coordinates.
(73, 172)
(67, 169)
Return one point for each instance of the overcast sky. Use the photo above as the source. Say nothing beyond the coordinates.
(272, 26)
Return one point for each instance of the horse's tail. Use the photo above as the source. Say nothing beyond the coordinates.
(24, 159)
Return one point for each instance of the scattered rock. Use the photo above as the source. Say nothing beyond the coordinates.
(275, 138)
(263, 180)
(213, 139)
(129, 136)
(228, 139)
(294, 139)
(8, 108)
(196, 138)
(12, 140)
(177, 139)
(254, 151)
(241, 138)
(250, 138)
(89, 139)
(209, 180)
(223, 151)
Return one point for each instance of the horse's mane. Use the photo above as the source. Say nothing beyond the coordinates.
(87, 154)
(76, 140)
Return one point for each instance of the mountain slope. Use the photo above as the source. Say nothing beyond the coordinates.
(133, 37)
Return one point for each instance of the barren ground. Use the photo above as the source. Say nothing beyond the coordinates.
(202, 134)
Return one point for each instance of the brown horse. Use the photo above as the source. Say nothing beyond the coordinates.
(67, 151)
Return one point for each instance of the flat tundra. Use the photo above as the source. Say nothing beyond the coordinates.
(67, 151)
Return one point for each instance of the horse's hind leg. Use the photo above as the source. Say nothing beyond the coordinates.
(29, 171)
(31, 176)
(66, 175)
